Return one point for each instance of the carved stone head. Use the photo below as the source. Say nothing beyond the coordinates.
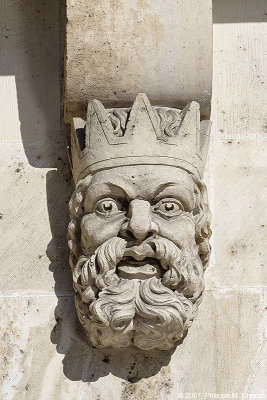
(139, 227)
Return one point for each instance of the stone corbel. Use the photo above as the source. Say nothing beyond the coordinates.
(140, 223)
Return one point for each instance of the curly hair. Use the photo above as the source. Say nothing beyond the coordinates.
(169, 120)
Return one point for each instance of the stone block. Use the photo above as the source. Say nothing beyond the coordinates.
(108, 44)
(239, 214)
(239, 101)
(46, 356)
(34, 219)
(30, 70)
(257, 383)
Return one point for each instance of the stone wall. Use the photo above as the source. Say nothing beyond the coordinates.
(44, 354)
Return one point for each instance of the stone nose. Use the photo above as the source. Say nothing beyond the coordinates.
(140, 224)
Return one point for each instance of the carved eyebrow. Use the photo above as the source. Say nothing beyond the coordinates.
(162, 187)
(177, 190)
(105, 189)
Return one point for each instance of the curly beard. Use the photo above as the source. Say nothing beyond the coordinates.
(154, 312)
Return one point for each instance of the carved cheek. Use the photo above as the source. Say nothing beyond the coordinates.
(180, 231)
(96, 230)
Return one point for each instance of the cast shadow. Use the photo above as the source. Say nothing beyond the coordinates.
(81, 361)
(238, 11)
(85, 363)
(59, 188)
(36, 30)
(32, 50)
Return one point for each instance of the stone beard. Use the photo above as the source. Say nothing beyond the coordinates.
(139, 242)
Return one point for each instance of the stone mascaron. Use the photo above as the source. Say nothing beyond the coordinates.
(139, 230)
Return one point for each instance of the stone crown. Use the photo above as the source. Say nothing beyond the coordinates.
(95, 146)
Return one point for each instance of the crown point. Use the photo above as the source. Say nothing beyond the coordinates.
(143, 134)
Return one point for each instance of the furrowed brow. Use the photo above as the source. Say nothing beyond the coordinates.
(99, 191)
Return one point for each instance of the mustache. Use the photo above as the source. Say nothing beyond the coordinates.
(183, 273)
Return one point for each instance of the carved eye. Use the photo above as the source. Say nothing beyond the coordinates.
(108, 206)
(169, 207)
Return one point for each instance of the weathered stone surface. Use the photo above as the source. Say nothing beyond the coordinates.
(239, 102)
(257, 381)
(30, 71)
(240, 214)
(46, 357)
(34, 219)
(108, 44)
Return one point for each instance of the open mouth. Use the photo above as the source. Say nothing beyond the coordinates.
(130, 268)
